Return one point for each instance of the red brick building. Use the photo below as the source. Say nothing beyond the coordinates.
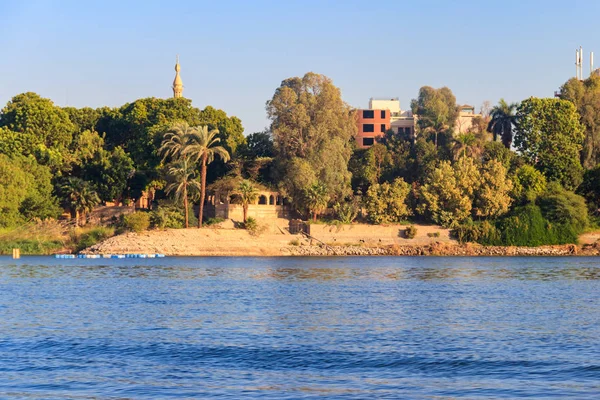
(371, 125)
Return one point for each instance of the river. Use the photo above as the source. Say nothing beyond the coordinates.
(279, 328)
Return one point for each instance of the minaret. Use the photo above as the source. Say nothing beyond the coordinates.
(177, 83)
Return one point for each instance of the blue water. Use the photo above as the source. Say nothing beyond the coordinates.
(279, 328)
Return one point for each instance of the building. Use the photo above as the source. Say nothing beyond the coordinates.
(177, 82)
(381, 116)
(464, 122)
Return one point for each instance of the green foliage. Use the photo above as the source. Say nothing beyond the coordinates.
(550, 137)
(253, 227)
(433, 234)
(312, 131)
(109, 172)
(294, 242)
(246, 193)
(82, 239)
(410, 232)
(137, 222)
(529, 183)
(213, 221)
(167, 216)
(502, 122)
(447, 196)
(316, 198)
(386, 203)
(25, 191)
(498, 152)
(78, 196)
(590, 189)
(586, 98)
(437, 112)
(563, 207)
(347, 211)
(492, 197)
(30, 246)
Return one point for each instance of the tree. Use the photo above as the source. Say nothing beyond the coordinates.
(465, 144)
(316, 199)
(585, 95)
(182, 182)
(492, 198)
(563, 207)
(386, 202)
(175, 141)
(79, 197)
(436, 111)
(230, 129)
(247, 194)
(202, 147)
(590, 189)
(109, 172)
(502, 122)
(44, 129)
(258, 145)
(312, 127)
(447, 195)
(529, 184)
(549, 135)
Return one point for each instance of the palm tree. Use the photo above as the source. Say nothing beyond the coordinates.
(175, 141)
(247, 194)
(316, 199)
(202, 147)
(183, 182)
(79, 197)
(502, 122)
(464, 143)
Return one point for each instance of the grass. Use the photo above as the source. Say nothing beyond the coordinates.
(50, 237)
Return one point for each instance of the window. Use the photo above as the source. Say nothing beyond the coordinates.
(382, 127)
(407, 131)
(368, 141)
(368, 114)
(368, 128)
(382, 113)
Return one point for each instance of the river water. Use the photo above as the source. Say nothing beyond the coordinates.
(278, 328)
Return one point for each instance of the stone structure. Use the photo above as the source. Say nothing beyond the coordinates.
(268, 204)
(177, 82)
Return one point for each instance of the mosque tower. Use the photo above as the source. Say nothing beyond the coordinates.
(177, 83)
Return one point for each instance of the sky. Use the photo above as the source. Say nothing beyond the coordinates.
(234, 54)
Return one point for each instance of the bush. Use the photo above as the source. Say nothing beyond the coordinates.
(137, 222)
(84, 238)
(561, 206)
(410, 232)
(213, 221)
(433, 234)
(386, 203)
(467, 232)
(347, 211)
(295, 242)
(166, 217)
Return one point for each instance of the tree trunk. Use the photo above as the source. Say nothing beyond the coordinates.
(202, 191)
(315, 216)
(245, 209)
(185, 205)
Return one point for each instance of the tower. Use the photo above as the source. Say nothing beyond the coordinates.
(177, 83)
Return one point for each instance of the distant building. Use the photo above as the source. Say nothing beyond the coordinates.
(381, 116)
(464, 122)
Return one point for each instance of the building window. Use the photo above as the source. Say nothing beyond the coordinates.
(368, 114)
(368, 141)
(382, 127)
(400, 130)
(368, 128)
(407, 131)
(383, 114)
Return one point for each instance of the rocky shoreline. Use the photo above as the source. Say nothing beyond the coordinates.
(442, 249)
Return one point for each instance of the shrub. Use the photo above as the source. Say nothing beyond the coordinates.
(561, 206)
(137, 222)
(467, 232)
(165, 217)
(386, 203)
(84, 238)
(433, 234)
(213, 221)
(410, 232)
(347, 211)
(295, 242)
(253, 227)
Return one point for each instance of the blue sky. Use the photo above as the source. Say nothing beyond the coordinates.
(234, 54)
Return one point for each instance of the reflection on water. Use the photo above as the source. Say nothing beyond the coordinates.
(291, 327)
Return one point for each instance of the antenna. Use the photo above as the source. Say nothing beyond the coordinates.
(591, 63)
(577, 63)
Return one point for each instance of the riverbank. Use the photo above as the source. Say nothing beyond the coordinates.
(329, 241)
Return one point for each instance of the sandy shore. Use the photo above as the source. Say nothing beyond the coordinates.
(345, 240)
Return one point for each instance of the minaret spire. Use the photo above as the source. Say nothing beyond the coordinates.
(177, 83)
